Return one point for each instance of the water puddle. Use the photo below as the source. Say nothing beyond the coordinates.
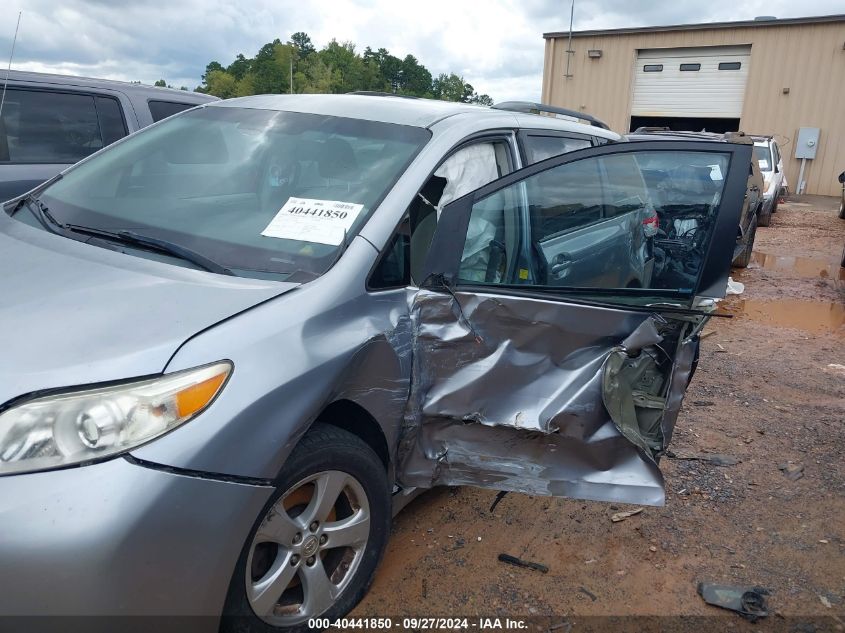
(802, 266)
(818, 317)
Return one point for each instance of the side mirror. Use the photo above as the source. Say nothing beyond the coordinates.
(842, 177)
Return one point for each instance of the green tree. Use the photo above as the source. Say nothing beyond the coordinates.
(347, 68)
(336, 68)
(221, 84)
(211, 66)
(303, 44)
(416, 79)
(483, 99)
(240, 67)
(161, 83)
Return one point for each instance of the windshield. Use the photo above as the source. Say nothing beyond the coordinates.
(261, 192)
(764, 157)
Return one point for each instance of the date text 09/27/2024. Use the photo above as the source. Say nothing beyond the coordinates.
(417, 624)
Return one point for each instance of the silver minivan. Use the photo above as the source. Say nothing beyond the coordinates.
(236, 342)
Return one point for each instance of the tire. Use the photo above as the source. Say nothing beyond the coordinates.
(765, 217)
(842, 208)
(775, 204)
(327, 458)
(744, 258)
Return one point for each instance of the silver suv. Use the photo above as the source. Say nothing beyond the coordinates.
(235, 343)
(768, 157)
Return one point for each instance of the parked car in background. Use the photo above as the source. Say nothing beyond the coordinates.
(48, 122)
(236, 342)
(674, 190)
(769, 160)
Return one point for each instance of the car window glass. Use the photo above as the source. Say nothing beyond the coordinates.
(110, 117)
(465, 170)
(539, 148)
(42, 126)
(619, 222)
(763, 157)
(264, 193)
(394, 266)
(162, 109)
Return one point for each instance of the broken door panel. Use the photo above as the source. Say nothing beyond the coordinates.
(507, 393)
(527, 379)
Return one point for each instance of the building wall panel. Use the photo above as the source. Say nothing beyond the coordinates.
(808, 59)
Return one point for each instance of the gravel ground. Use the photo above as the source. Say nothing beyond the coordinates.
(770, 392)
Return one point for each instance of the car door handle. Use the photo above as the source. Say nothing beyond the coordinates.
(560, 264)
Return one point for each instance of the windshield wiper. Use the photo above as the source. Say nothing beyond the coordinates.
(42, 214)
(155, 244)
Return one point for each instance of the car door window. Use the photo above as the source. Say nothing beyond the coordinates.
(620, 223)
(465, 170)
(539, 147)
(42, 126)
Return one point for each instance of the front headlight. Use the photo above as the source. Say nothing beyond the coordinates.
(80, 426)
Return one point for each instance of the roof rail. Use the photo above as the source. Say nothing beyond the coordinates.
(645, 129)
(376, 93)
(530, 107)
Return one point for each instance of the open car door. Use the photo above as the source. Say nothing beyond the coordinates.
(557, 329)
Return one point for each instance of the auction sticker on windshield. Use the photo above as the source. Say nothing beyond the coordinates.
(307, 220)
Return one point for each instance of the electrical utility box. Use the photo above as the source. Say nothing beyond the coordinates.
(808, 142)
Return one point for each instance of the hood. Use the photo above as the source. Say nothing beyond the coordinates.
(73, 314)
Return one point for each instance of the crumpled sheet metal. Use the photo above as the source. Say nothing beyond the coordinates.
(540, 376)
(498, 403)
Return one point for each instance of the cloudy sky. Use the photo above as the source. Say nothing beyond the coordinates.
(496, 45)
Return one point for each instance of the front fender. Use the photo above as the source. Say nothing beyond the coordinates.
(293, 356)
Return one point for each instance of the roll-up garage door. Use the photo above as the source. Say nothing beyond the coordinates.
(691, 82)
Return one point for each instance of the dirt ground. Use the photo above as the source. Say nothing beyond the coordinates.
(770, 392)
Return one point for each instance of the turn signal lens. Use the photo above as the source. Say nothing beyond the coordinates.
(195, 398)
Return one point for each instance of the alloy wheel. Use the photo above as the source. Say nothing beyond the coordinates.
(307, 548)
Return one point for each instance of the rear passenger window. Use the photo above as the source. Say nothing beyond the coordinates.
(112, 127)
(41, 126)
(539, 148)
(163, 109)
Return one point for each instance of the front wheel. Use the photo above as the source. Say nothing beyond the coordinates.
(842, 208)
(314, 550)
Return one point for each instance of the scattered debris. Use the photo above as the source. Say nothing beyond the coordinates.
(825, 601)
(499, 496)
(717, 459)
(824, 540)
(518, 562)
(621, 516)
(734, 287)
(652, 549)
(749, 602)
(589, 593)
(793, 471)
(704, 335)
(704, 403)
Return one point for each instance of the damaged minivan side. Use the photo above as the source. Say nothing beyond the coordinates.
(258, 327)
(562, 371)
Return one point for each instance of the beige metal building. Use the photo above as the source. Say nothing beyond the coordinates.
(764, 76)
